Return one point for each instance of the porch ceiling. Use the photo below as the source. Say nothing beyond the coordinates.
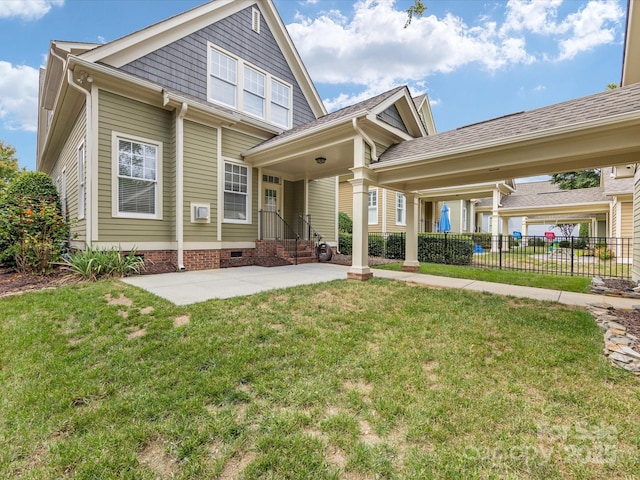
(553, 210)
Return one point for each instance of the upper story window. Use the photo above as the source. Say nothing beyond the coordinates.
(223, 78)
(238, 84)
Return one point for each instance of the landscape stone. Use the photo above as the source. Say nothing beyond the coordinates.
(597, 281)
(619, 340)
(603, 306)
(619, 357)
(630, 352)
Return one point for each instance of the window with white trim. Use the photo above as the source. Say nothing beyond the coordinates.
(401, 210)
(239, 84)
(236, 193)
(254, 92)
(223, 78)
(81, 180)
(138, 167)
(373, 206)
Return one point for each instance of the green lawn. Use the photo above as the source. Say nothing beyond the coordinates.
(527, 279)
(341, 380)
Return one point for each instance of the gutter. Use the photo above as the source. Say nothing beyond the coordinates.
(367, 139)
(88, 148)
(180, 184)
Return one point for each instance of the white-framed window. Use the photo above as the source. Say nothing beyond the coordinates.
(239, 84)
(237, 187)
(401, 209)
(137, 177)
(254, 92)
(280, 103)
(81, 179)
(373, 206)
(224, 78)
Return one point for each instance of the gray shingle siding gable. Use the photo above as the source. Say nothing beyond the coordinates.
(182, 65)
(392, 116)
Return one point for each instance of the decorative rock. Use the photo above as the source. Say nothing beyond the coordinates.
(597, 281)
(618, 357)
(629, 352)
(618, 339)
(602, 306)
(616, 331)
(635, 307)
(611, 347)
(616, 325)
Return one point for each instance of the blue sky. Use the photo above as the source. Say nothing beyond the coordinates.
(475, 59)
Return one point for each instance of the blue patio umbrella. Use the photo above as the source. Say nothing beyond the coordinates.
(445, 224)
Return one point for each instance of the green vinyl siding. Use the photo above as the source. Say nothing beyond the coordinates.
(68, 160)
(322, 207)
(130, 117)
(234, 143)
(240, 232)
(200, 179)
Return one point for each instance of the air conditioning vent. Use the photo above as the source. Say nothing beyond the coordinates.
(201, 213)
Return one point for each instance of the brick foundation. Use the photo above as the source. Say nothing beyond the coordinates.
(236, 257)
(201, 259)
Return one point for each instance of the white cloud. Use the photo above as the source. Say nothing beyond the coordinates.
(18, 97)
(371, 48)
(28, 9)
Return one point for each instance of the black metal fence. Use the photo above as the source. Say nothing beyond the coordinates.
(585, 256)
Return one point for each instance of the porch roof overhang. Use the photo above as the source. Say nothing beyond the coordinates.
(466, 192)
(552, 210)
(571, 219)
(591, 132)
(295, 156)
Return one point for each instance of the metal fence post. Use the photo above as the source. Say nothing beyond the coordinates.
(500, 251)
(572, 256)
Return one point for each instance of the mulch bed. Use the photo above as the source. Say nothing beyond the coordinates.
(631, 320)
(12, 282)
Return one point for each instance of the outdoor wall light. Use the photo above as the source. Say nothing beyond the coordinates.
(320, 160)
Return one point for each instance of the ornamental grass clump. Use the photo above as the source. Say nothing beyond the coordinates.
(94, 263)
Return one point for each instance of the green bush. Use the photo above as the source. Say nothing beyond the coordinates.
(345, 243)
(441, 249)
(482, 239)
(31, 184)
(564, 244)
(584, 230)
(580, 243)
(396, 246)
(345, 224)
(33, 230)
(92, 264)
(376, 246)
(537, 242)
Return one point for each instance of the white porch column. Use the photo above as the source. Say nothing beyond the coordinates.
(505, 233)
(411, 263)
(495, 221)
(472, 216)
(525, 227)
(360, 251)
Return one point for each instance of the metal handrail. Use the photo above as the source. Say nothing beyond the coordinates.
(273, 227)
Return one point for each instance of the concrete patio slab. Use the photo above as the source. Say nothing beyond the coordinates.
(185, 288)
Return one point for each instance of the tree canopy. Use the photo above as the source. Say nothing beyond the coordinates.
(8, 165)
(416, 10)
(579, 179)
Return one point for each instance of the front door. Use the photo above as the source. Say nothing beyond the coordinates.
(272, 208)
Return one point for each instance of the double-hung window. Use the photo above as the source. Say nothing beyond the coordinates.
(236, 83)
(137, 178)
(236, 193)
(401, 218)
(373, 206)
(254, 92)
(224, 78)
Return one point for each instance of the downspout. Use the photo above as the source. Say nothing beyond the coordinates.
(87, 156)
(366, 138)
(180, 184)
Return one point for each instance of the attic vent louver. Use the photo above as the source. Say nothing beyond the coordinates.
(255, 20)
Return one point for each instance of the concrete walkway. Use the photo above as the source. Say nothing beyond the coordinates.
(185, 288)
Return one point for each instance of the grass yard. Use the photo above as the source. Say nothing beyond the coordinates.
(345, 380)
(527, 279)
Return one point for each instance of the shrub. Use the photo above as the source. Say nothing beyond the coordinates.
(396, 246)
(580, 243)
(440, 249)
(345, 224)
(537, 242)
(345, 243)
(482, 239)
(92, 264)
(604, 253)
(376, 246)
(564, 244)
(32, 184)
(584, 230)
(33, 232)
